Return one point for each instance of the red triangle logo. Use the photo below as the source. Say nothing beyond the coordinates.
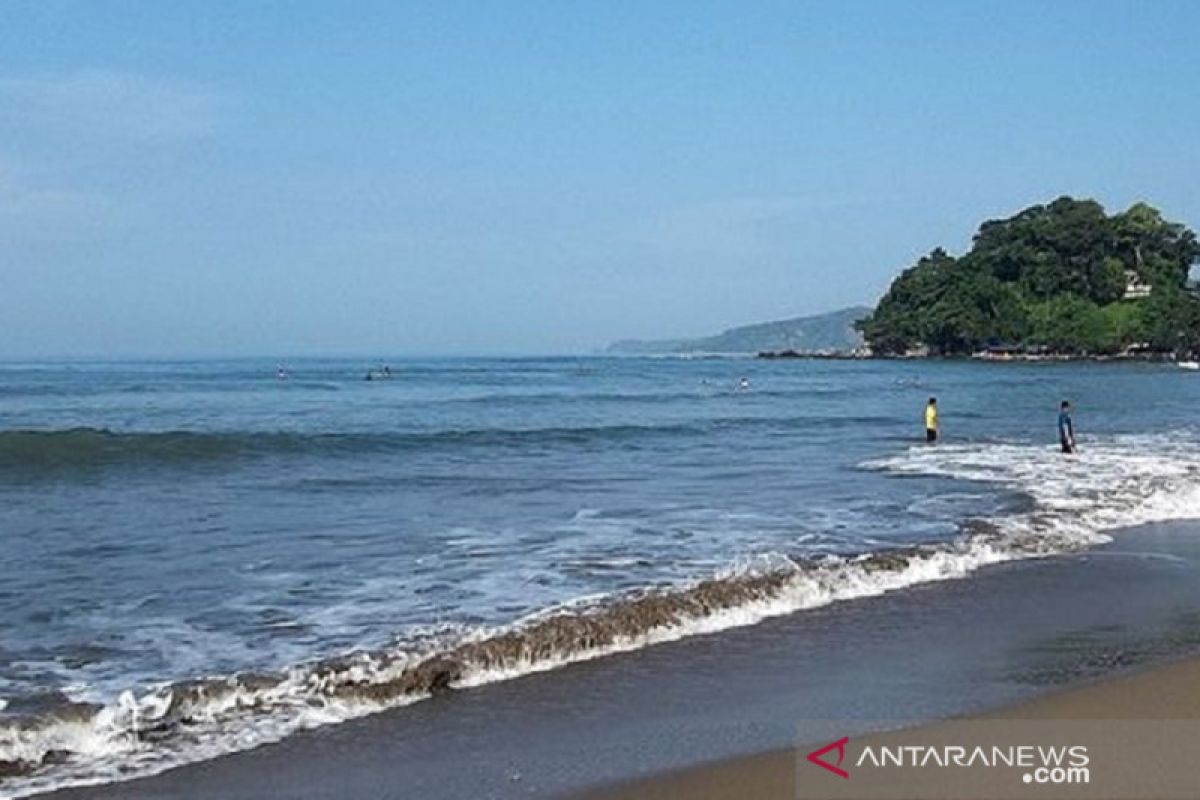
(836, 769)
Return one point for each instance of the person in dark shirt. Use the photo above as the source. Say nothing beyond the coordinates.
(1066, 429)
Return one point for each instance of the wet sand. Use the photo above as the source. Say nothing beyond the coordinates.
(1007, 635)
(1142, 729)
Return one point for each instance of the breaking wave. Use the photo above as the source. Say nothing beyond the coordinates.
(1118, 482)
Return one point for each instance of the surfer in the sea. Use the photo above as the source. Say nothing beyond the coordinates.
(1066, 428)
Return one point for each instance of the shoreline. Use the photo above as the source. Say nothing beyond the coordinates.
(1164, 693)
(1012, 632)
(1014, 358)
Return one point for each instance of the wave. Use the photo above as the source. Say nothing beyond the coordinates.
(1120, 482)
(100, 446)
(1114, 482)
(184, 722)
(94, 447)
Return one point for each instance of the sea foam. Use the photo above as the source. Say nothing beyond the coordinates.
(1075, 502)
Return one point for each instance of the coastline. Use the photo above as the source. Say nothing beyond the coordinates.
(1011, 633)
(817, 498)
(987, 358)
(1162, 693)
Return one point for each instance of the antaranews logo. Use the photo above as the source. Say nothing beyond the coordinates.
(818, 757)
(964, 759)
(1038, 764)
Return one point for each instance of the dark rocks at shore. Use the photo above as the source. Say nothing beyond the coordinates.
(1005, 357)
(838, 355)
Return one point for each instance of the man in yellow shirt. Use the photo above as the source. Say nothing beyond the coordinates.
(931, 421)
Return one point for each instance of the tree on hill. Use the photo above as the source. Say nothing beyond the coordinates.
(1053, 276)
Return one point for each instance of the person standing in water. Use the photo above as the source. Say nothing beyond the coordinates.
(931, 421)
(1066, 428)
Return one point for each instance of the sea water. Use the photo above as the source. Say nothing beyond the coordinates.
(204, 556)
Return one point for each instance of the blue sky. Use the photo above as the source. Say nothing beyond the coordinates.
(255, 178)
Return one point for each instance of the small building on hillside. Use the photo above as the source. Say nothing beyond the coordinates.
(1135, 288)
(1000, 351)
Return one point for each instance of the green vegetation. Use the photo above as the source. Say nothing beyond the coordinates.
(1062, 278)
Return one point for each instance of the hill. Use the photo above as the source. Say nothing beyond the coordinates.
(1063, 278)
(834, 331)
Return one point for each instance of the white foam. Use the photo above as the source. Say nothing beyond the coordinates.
(1112, 482)
(107, 748)
(1117, 482)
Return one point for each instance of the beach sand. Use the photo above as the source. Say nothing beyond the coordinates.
(1142, 731)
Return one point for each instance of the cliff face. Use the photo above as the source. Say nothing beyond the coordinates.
(833, 331)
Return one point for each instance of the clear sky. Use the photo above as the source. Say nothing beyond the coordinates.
(283, 178)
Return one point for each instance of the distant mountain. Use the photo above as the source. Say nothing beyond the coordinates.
(833, 331)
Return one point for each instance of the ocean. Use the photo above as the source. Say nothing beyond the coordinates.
(202, 557)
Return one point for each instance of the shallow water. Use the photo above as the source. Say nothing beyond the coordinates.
(166, 522)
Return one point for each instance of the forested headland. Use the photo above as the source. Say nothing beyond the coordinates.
(1063, 278)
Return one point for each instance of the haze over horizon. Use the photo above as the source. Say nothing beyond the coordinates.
(223, 179)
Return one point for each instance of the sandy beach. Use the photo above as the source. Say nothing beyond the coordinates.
(1142, 729)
